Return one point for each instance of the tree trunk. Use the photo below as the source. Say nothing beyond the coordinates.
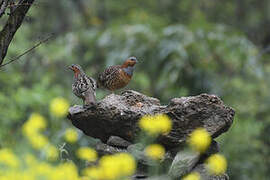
(13, 23)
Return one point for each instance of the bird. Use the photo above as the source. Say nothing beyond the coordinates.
(83, 86)
(117, 76)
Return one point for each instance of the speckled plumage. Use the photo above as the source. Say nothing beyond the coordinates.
(118, 76)
(83, 86)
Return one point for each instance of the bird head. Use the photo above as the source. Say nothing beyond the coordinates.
(75, 68)
(130, 62)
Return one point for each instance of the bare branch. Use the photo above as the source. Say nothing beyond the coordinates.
(13, 23)
(28, 50)
(3, 7)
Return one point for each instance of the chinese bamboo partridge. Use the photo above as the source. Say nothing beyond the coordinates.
(83, 86)
(118, 76)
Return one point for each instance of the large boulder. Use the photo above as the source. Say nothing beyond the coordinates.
(118, 115)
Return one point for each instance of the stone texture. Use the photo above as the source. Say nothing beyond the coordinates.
(183, 162)
(118, 115)
(118, 142)
(104, 149)
(114, 120)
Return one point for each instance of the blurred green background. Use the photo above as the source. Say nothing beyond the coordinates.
(185, 47)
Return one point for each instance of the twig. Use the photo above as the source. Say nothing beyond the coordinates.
(3, 7)
(28, 50)
(25, 4)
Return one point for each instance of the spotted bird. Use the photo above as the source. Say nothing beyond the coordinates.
(118, 76)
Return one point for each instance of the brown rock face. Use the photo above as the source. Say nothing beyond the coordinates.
(118, 115)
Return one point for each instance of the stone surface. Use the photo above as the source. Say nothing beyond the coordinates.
(118, 142)
(118, 115)
(183, 162)
(114, 120)
(104, 149)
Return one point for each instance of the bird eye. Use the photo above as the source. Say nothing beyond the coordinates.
(132, 58)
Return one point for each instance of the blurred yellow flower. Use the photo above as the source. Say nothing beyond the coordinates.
(86, 153)
(8, 158)
(52, 153)
(34, 168)
(110, 169)
(42, 169)
(216, 164)
(199, 140)
(157, 124)
(14, 175)
(71, 135)
(155, 151)
(192, 176)
(145, 123)
(66, 171)
(127, 162)
(35, 123)
(59, 107)
(38, 141)
(164, 122)
(117, 165)
(92, 173)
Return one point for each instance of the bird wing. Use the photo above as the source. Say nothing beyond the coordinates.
(88, 83)
(108, 72)
(84, 83)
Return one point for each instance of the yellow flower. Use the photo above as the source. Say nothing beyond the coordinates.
(8, 158)
(38, 141)
(66, 171)
(35, 123)
(14, 175)
(192, 176)
(42, 169)
(127, 162)
(157, 124)
(116, 166)
(59, 107)
(71, 135)
(164, 122)
(216, 164)
(109, 167)
(52, 152)
(93, 173)
(86, 153)
(145, 124)
(199, 140)
(155, 151)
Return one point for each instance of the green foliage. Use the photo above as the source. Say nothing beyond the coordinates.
(184, 48)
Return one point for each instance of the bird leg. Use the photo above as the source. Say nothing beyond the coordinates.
(89, 98)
